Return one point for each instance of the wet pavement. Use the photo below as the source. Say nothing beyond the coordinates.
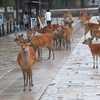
(69, 77)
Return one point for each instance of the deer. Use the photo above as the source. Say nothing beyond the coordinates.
(89, 26)
(84, 17)
(87, 17)
(95, 33)
(40, 41)
(67, 23)
(60, 34)
(65, 16)
(83, 13)
(19, 37)
(68, 36)
(95, 51)
(70, 16)
(26, 59)
(46, 29)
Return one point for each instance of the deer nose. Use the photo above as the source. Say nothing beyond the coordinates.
(23, 48)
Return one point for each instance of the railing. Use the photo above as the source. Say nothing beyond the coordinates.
(9, 27)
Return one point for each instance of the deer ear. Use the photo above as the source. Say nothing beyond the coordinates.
(29, 42)
(72, 21)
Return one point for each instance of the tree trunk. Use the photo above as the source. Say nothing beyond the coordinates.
(17, 9)
(6, 13)
(82, 3)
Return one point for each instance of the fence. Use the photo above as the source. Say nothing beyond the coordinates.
(9, 27)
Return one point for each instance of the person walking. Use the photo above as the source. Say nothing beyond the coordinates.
(48, 17)
(26, 20)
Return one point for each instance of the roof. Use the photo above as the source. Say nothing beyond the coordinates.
(35, 2)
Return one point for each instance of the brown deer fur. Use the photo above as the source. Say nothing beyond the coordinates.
(70, 16)
(65, 16)
(95, 33)
(47, 29)
(60, 34)
(84, 17)
(89, 27)
(95, 50)
(40, 41)
(87, 17)
(26, 59)
(19, 37)
(68, 35)
(67, 23)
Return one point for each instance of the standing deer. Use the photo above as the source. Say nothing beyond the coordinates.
(26, 59)
(41, 41)
(95, 50)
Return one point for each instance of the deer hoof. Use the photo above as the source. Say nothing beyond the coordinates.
(96, 66)
(32, 85)
(26, 85)
(38, 60)
(30, 90)
(24, 89)
(93, 67)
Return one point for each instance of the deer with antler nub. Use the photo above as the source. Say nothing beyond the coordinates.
(26, 59)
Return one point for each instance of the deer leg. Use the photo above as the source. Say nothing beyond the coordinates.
(96, 61)
(64, 41)
(31, 80)
(56, 43)
(68, 43)
(29, 75)
(24, 81)
(41, 53)
(49, 52)
(84, 36)
(93, 61)
(38, 54)
(53, 52)
(59, 44)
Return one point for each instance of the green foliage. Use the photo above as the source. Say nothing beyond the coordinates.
(10, 3)
(66, 3)
(63, 3)
(1, 3)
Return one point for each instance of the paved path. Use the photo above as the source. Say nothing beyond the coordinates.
(69, 77)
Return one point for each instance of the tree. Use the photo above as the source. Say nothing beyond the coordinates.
(10, 3)
(1, 3)
(5, 4)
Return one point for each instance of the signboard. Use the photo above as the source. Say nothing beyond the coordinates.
(1, 19)
(33, 20)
